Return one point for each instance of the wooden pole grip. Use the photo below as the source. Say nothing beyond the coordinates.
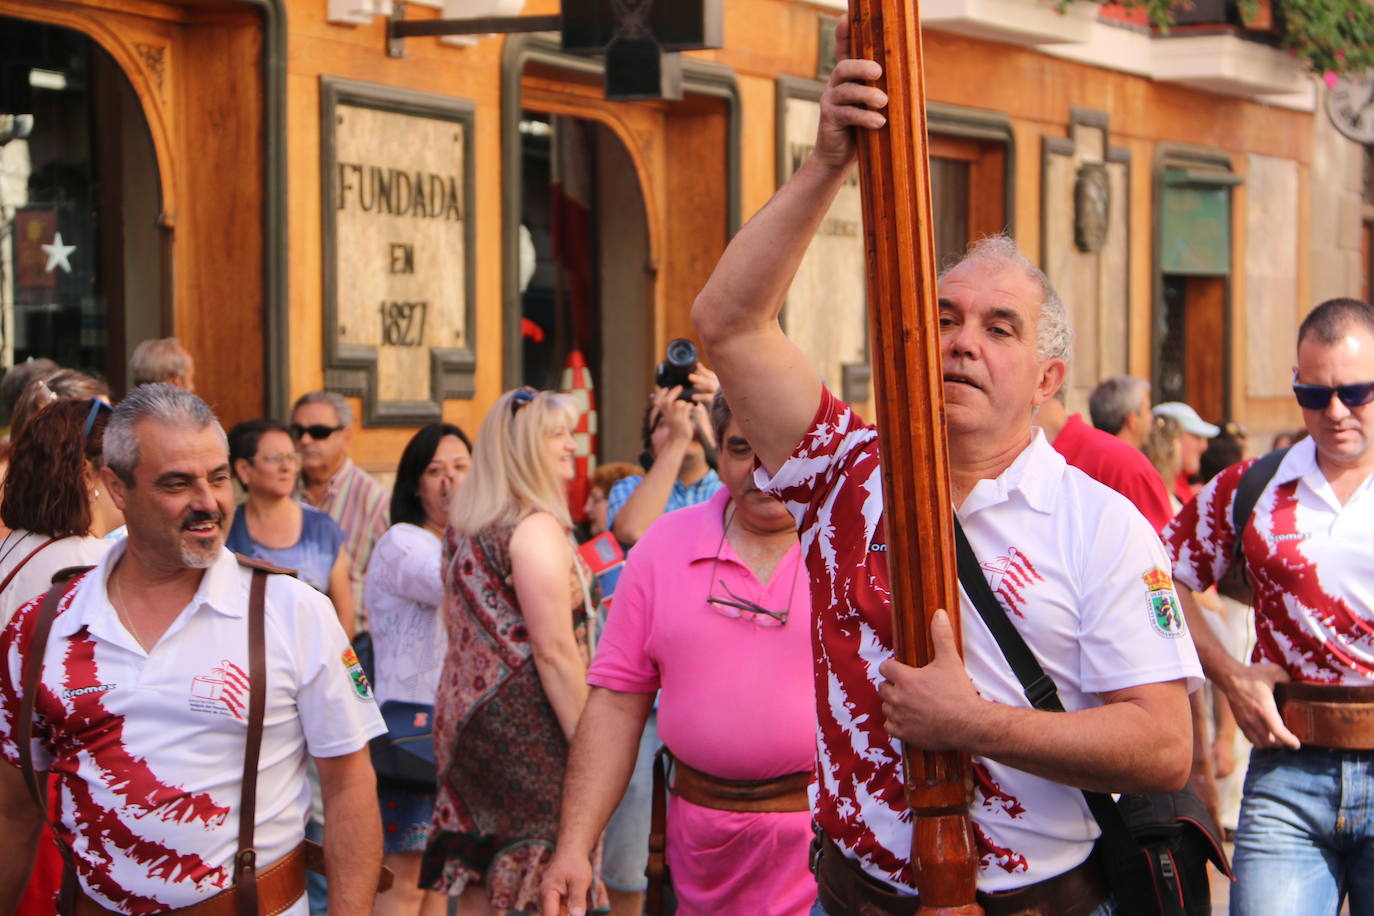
(894, 178)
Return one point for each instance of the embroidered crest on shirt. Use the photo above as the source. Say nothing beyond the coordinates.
(1165, 614)
(361, 688)
(222, 692)
(1009, 576)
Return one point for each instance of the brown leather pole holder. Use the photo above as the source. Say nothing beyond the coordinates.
(908, 388)
(1341, 718)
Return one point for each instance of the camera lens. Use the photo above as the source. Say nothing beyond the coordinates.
(682, 352)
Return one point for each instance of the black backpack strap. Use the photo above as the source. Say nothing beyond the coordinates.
(1038, 686)
(1252, 484)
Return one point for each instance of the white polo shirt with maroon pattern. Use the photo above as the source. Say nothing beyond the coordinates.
(1080, 573)
(1310, 561)
(148, 747)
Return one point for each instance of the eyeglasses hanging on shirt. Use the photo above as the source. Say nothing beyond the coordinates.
(735, 606)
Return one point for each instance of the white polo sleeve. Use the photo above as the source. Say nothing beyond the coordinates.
(337, 709)
(1131, 625)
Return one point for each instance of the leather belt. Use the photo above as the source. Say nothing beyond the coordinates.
(1330, 716)
(279, 885)
(844, 887)
(786, 793)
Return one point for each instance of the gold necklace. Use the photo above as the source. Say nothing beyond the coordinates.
(123, 618)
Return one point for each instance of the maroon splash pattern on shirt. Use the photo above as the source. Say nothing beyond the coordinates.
(838, 503)
(1009, 577)
(1290, 601)
(81, 725)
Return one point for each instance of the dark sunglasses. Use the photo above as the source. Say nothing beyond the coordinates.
(96, 406)
(1316, 397)
(317, 431)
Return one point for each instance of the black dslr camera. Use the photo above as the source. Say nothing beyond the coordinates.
(680, 361)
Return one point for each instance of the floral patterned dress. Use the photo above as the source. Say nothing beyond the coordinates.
(500, 751)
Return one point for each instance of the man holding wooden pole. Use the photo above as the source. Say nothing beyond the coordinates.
(1076, 567)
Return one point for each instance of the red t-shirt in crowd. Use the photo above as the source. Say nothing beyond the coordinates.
(1125, 469)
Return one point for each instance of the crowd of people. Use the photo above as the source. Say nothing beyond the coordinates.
(464, 696)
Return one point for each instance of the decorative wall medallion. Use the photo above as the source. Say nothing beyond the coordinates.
(1092, 199)
(155, 59)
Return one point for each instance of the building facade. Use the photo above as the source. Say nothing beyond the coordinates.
(302, 208)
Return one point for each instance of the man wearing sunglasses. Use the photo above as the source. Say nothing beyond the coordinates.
(322, 425)
(712, 608)
(1306, 701)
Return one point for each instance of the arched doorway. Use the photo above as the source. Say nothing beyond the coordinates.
(83, 263)
(586, 280)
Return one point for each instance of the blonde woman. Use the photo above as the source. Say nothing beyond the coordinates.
(515, 674)
(1161, 447)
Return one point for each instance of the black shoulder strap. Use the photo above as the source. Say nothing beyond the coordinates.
(1038, 686)
(1252, 484)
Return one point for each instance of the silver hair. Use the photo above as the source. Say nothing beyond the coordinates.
(1053, 335)
(158, 360)
(340, 404)
(161, 402)
(1116, 398)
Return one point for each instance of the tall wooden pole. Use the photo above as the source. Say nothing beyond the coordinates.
(894, 179)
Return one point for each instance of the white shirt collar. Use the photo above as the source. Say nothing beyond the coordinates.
(1034, 474)
(221, 589)
(1301, 464)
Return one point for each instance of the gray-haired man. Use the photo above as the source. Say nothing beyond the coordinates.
(141, 708)
(322, 424)
(163, 359)
(1070, 560)
(1120, 405)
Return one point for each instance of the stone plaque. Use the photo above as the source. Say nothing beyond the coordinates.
(826, 311)
(398, 243)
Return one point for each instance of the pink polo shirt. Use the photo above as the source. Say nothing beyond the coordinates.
(721, 677)
(737, 702)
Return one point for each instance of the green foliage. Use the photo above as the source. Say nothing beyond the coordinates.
(1329, 36)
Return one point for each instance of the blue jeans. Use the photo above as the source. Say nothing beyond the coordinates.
(1306, 833)
(1108, 908)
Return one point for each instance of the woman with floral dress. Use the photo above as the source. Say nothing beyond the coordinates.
(514, 681)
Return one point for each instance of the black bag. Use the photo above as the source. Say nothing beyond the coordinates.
(1234, 583)
(404, 756)
(1154, 849)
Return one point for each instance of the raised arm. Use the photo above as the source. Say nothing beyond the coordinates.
(773, 390)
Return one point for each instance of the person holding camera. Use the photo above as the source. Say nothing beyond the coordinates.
(679, 451)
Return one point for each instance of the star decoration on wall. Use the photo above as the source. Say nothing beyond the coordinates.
(58, 254)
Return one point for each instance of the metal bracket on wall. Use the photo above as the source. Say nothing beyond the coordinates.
(640, 39)
(398, 29)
